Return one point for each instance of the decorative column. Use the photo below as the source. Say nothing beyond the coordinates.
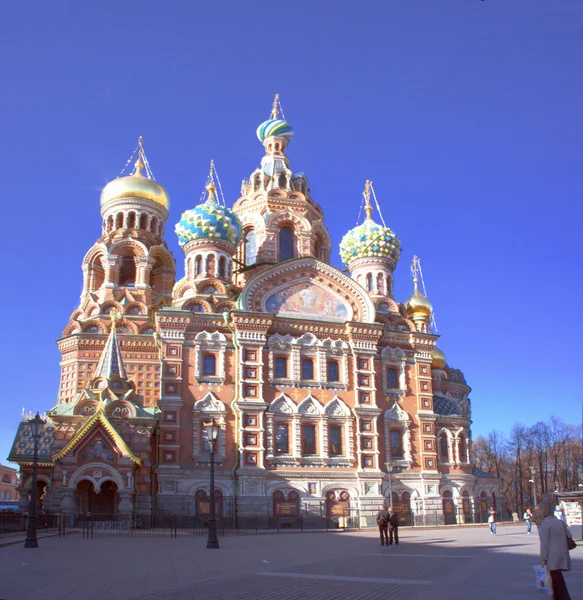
(144, 266)
(111, 264)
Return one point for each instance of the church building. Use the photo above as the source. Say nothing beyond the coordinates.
(330, 393)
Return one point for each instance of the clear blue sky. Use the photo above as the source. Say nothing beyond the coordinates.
(466, 114)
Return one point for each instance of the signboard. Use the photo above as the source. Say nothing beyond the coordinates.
(572, 513)
(203, 508)
(286, 509)
(338, 509)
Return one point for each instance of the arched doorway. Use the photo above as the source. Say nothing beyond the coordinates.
(203, 504)
(483, 516)
(449, 512)
(104, 502)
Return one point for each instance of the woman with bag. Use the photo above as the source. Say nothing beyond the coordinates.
(554, 553)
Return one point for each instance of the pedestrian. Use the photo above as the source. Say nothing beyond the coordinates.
(383, 523)
(554, 553)
(492, 520)
(538, 518)
(393, 526)
(528, 519)
(559, 513)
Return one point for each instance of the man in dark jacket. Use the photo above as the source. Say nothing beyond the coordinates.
(383, 518)
(393, 526)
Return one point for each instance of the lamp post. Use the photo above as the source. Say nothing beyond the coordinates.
(212, 432)
(36, 427)
(531, 480)
(389, 466)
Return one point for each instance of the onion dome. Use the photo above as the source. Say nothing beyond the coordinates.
(369, 239)
(274, 126)
(135, 186)
(437, 359)
(418, 305)
(209, 220)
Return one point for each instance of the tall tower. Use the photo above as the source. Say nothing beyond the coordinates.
(130, 270)
(280, 219)
(371, 251)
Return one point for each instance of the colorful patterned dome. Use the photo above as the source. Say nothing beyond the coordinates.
(369, 239)
(209, 220)
(273, 127)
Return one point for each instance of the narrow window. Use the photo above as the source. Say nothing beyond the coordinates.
(281, 367)
(391, 378)
(333, 371)
(210, 364)
(282, 180)
(380, 284)
(127, 275)
(396, 444)
(335, 440)
(463, 450)
(282, 439)
(198, 266)
(250, 248)
(369, 282)
(307, 368)
(443, 450)
(286, 244)
(308, 440)
(222, 266)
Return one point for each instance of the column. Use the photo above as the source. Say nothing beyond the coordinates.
(144, 266)
(111, 264)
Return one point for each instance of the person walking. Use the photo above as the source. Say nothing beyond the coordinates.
(383, 518)
(554, 553)
(492, 520)
(559, 513)
(528, 520)
(393, 526)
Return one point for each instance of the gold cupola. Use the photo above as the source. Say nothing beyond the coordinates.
(136, 185)
(417, 305)
(437, 359)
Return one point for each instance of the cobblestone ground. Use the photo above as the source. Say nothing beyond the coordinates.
(453, 563)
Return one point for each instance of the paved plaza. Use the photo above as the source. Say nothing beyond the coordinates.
(435, 564)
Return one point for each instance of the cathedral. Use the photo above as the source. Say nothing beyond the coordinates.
(331, 395)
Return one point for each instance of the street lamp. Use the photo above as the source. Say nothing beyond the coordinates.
(389, 467)
(531, 480)
(212, 432)
(36, 427)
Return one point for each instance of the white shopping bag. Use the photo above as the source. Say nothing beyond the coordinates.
(543, 580)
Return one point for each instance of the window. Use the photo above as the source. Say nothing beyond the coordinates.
(308, 440)
(210, 365)
(335, 440)
(250, 248)
(282, 439)
(392, 378)
(286, 243)
(369, 282)
(443, 450)
(396, 444)
(333, 371)
(222, 266)
(281, 367)
(463, 450)
(307, 368)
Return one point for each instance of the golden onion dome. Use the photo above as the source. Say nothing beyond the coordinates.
(135, 186)
(437, 359)
(418, 305)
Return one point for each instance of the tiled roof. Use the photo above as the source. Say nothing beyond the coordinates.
(445, 406)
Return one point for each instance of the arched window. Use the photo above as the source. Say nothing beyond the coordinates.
(443, 447)
(307, 368)
(110, 223)
(333, 370)
(250, 245)
(380, 283)
(256, 182)
(154, 225)
(396, 444)
(198, 266)
(210, 264)
(119, 221)
(286, 243)
(369, 282)
(463, 449)
(6, 479)
(210, 364)
(282, 181)
(222, 266)
(144, 221)
(281, 367)
(392, 378)
(317, 248)
(127, 273)
(132, 220)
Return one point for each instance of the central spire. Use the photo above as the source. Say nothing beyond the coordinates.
(111, 363)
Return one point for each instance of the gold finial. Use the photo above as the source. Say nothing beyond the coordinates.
(414, 270)
(115, 316)
(274, 111)
(211, 185)
(367, 206)
(139, 164)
